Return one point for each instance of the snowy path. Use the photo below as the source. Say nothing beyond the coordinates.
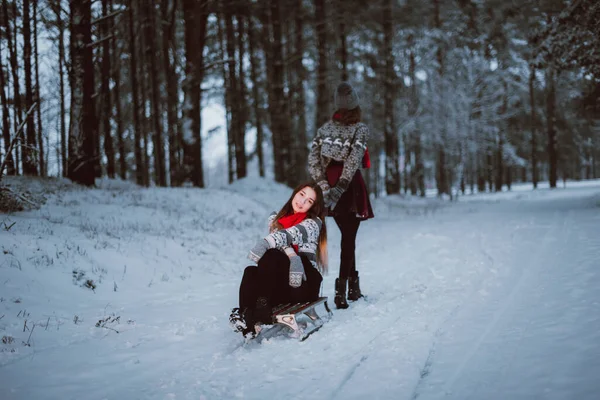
(537, 335)
(475, 300)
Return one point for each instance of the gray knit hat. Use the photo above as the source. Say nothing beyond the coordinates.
(346, 97)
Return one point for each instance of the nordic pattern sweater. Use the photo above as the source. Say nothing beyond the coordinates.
(305, 235)
(334, 141)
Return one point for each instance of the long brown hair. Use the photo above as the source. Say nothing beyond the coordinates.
(347, 117)
(317, 210)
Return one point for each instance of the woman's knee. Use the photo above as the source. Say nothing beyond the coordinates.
(250, 272)
(273, 257)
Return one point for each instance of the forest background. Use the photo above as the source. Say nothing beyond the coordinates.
(459, 95)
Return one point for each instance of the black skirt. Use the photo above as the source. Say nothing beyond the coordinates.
(355, 199)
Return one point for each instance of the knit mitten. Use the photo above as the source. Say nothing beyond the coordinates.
(324, 185)
(296, 271)
(259, 250)
(336, 192)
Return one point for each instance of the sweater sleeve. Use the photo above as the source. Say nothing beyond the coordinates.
(305, 232)
(353, 162)
(270, 220)
(315, 165)
(289, 250)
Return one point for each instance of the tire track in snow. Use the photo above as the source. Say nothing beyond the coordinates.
(534, 264)
(364, 354)
(429, 361)
(367, 348)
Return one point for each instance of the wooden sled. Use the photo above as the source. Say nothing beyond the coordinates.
(301, 318)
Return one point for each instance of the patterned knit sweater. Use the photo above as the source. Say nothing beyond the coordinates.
(334, 141)
(305, 235)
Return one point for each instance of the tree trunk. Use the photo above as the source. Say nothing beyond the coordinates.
(158, 143)
(38, 97)
(10, 165)
(417, 176)
(280, 115)
(195, 19)
(105, 90)
(16, 90)
(227, 100)
(343, 49)
(14, 66)
(241, 160)
(490, 169)
(441, 167)
(500, 150)
(300, 150)
(61, 61)
(534, 159)
(30, 149)
(235, 103)
(169, 48)
(322, 93)
(137, 141)
(146, 114)
(392, 170)
(277, 99)
(256, 97)
(116, 76)
(83, 118)
(550, 120)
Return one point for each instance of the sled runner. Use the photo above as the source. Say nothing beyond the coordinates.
(301, 318)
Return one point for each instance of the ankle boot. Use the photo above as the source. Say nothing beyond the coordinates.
(262, 312)
(354, 292)
(340, 294)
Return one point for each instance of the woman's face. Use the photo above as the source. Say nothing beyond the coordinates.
(304, 200)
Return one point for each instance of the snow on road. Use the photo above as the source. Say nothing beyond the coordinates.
(487, 298)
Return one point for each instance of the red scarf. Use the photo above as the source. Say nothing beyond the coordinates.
(290, 220)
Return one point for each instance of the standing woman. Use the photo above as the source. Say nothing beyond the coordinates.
(337, 153)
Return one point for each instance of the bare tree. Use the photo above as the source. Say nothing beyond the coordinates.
(170, 51)
(38, 99)
(195, 19)
(257, 109)
(534, 156)
(10, 166)
(109, 149)
(322, 68)
(57, 9)
(137, 134)
(392, 170)
(116, 77)
(551, 125)
(14, 66)
(234, 95)
(441, 162)
(150, 42)
(299, 149)
(30, 149)
(83, 126)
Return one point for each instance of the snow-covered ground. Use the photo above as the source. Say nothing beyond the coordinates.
(124, 293)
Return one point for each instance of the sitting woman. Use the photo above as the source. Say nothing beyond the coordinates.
(290, 261)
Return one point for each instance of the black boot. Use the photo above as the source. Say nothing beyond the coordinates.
(340, 294)
(247, 329)
(354, 288)
(236, 320)
(263, 312)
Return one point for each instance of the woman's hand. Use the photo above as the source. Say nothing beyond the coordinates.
(297, 274)
(335, 193)
(259, 250)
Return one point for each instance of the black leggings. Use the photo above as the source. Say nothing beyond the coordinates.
(348, 224)
(270, 279)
